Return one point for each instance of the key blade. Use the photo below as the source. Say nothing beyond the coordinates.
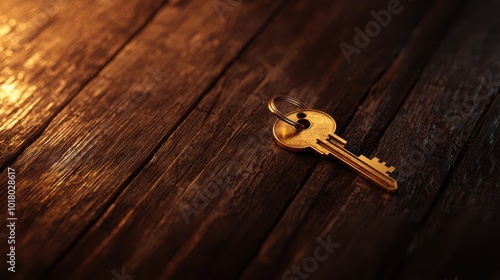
(371, 169)
(336, 140)
(381, 166)
(389, 183)
(321, 150)
(324, 150)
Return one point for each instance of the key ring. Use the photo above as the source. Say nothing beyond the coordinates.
(277, 113)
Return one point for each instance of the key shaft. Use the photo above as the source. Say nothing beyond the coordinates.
(372, 170)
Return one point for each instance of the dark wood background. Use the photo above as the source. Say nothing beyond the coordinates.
(122, 116)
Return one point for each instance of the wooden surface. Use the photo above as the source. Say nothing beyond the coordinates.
(142, 142)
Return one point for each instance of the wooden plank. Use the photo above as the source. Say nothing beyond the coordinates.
(69, 175)
(462, 232)
(50, 50)
(222, 161)
(373, 230)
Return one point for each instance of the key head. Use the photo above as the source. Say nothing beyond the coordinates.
(318, 125)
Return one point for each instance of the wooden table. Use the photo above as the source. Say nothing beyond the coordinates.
(141, 142)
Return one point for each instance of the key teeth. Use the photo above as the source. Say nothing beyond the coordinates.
(390, 169)
(378, 164)
(382, 165)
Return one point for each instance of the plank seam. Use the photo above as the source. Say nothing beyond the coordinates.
(380, 76)
(39, 132)
(453, 169)
(151, 155)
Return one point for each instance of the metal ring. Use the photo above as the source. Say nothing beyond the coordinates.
(281, 116)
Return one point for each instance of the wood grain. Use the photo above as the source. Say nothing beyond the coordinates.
(222, 161)
(424, 140)
(50, 50)
(113, 126)
(143, 144)
(461, 233)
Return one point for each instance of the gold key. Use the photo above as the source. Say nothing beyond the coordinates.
(308, 129)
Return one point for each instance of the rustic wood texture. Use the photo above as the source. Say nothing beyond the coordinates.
(424, 140)
(94, 155)
(50, 51)
(142, 140)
